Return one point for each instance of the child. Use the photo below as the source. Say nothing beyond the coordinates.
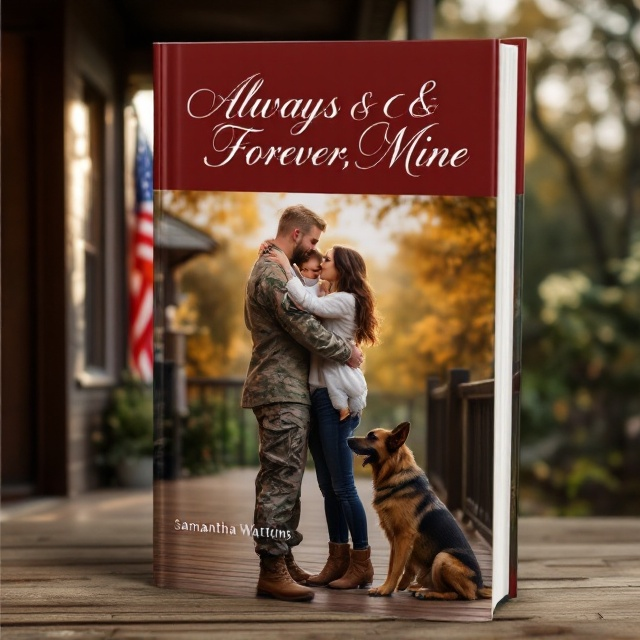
(310, 271)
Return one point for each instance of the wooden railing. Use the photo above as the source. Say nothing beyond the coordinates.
(477, 454)
(460, 445)
(200, 424)
(233, 434)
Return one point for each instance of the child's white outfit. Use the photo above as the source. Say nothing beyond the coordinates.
(313, 285)
(346, 386)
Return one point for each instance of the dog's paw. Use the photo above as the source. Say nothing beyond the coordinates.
(430, 594)
(380, 591)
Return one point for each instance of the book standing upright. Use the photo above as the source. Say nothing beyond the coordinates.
(402, 146)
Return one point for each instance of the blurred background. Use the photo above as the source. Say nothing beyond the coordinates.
(76, 82)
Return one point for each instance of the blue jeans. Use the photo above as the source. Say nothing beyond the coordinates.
(334, 469)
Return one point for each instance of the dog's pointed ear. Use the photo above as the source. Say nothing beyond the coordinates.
(398, 436)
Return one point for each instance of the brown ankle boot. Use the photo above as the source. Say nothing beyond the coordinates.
(299, 575)
(275, 581)
(337, 564)
(360, 571)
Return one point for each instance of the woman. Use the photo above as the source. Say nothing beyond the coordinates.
(338, 395)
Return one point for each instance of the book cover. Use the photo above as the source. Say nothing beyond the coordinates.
(401, 164)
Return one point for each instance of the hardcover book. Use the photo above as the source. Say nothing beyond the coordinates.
(338, 249)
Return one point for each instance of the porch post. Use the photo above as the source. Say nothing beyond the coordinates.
(421, 19)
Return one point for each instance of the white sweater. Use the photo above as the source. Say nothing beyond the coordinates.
(337, 311)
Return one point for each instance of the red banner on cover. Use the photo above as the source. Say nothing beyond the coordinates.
(347, 117)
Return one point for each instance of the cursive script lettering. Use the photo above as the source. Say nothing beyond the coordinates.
(243, 102)
(231, 140)
(377, 143)
(395, 129)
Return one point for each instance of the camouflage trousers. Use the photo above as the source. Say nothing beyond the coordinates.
(283, 434)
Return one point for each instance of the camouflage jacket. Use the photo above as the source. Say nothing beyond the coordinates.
(283, 336)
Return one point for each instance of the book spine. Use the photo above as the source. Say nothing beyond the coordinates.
(159, 142)
(158, 347)
(515, 410)
(521, 43)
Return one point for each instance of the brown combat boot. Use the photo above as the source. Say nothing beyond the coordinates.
(299, 575)
(275, 581)
(360, 571)
(337, 564)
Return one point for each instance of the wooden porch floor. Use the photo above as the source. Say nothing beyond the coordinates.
(226, 562)
(81, 568)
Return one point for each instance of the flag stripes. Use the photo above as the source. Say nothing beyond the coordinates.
(141, 277)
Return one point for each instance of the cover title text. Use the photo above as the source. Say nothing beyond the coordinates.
(399, 129)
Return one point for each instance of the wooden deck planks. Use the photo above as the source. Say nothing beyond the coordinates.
(82, 569)
(226, 563)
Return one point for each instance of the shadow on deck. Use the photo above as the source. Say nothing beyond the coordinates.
(221, 559)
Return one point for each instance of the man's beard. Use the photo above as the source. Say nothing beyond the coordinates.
(299, 254)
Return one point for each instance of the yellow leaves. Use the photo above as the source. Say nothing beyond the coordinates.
(541, 471)
(200, 356)
(223, 215)
(185, 315)
(439, 311)
(561, 410)
(583, 399)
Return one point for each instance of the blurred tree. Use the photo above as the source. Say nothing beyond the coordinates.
(584, 106)
(213, 286)
(581, 417)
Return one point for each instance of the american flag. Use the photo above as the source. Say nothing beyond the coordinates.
(141, 280)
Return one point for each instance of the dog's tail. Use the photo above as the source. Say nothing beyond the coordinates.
(485, 592)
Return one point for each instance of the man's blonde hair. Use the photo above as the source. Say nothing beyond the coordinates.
(299, 217)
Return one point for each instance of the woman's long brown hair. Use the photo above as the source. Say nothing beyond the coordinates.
(352, 278)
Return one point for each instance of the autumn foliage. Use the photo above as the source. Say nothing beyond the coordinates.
(435, 293)
(438, 302)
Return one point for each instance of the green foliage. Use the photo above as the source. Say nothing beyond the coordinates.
(198, 442)
(580, 398)
(128, 423)
(213, 436)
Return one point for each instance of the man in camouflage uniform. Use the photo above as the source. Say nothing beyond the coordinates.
(277, 390)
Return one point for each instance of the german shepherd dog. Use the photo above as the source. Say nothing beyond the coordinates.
(430, 555)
